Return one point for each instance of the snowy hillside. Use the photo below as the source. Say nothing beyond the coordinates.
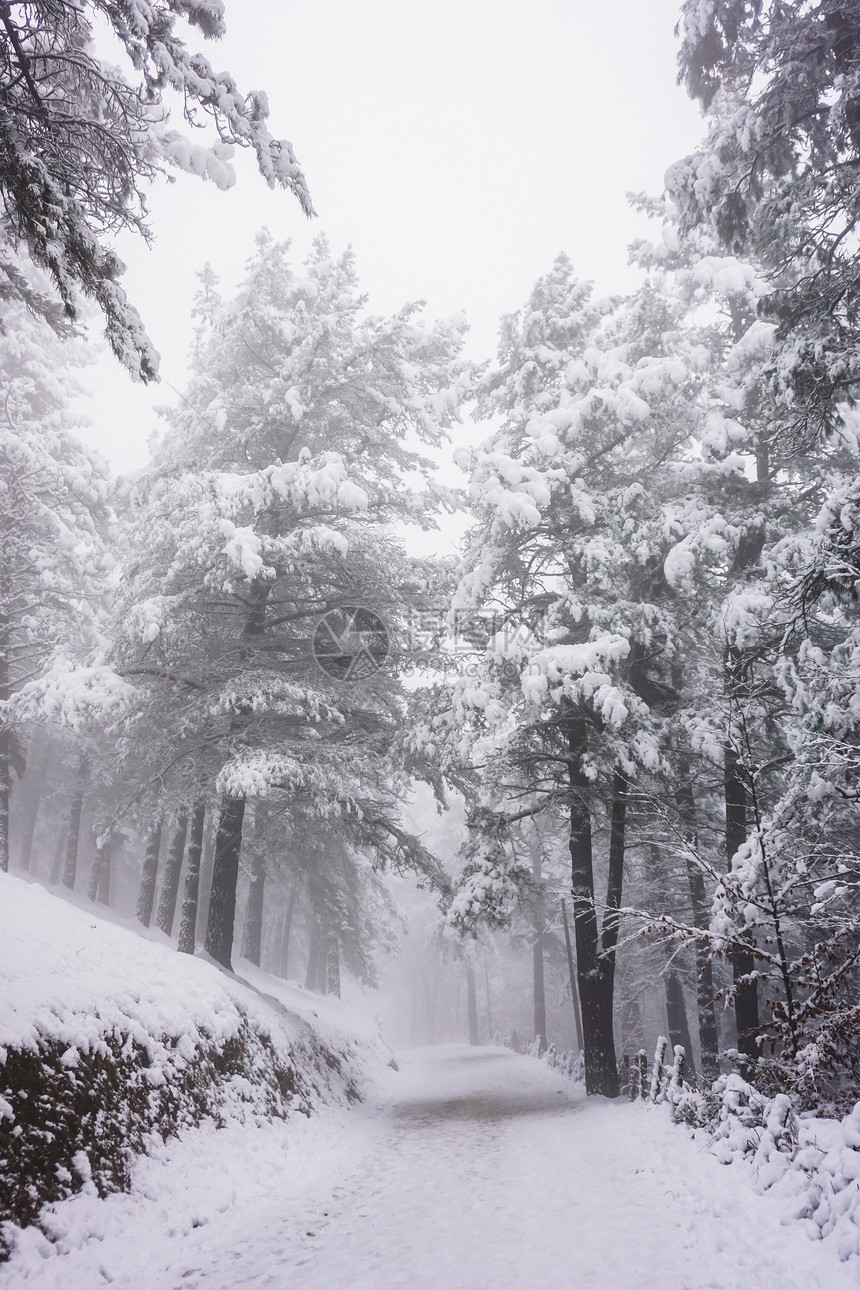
(110, 1043)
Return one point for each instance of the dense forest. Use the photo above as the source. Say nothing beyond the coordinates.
(617, 734)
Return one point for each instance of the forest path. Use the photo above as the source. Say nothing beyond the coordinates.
(486, 1170)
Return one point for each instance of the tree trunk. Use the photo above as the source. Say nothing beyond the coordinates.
(170, 877)
(743, 959)
(709, 1042)
(59, 851)
(676, 1018)
(538, 923)
(101, 862)
(148, 875)
(104, 889)
(313, 956)
(73, 836)
(472, 999)
(571, 968)
(320, 972)
(31, 814)
(491, 1030)
(253, 933)
(191, 892)
(5, 727)
(225, 876)
(333, 968)
(595, 988)
(228, 842)
(285, 936)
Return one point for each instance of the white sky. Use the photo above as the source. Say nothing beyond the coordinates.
(459, 145)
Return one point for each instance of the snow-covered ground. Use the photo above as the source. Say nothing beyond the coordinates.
(72, 973)
(472, 1168)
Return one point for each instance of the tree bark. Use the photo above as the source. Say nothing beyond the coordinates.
(228, 842)
(5, 727)
(73, 836)
(59, 852)
(225, 876)
(285, 935)
(31, 814)
(101, 862)
(538, 923)
(253, 934)
(333, 968)
(472, 1003)
(105, 876)
(676, 1018)
(571, 968)
(170, 877)
(491, 1030)
(709, 1041)
(313, 956)
(743, 958)
(191, 891)
(595, 987)
(148, 875)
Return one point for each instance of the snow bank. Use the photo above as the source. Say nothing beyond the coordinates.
(810, 1163)
(111, 1044)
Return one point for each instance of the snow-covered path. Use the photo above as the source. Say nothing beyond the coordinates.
(479, 1169)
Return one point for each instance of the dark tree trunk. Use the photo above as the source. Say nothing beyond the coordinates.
(285, 936)
(101, 864)
(253, 934)
(170, 876)
(59, 851)
(491, 1030)
(676, 1018)
(595, 986)
(148, 875)
(31, 813)
(5, 727)
(538, 922)
(228, 842)
(73, 837)
(743, 959)
(105, 876)
(321, 971)
(333, 968)
(191, 892)
(571, 968)
(472, 1002)
(225, 876)
(313, 956)
(207, 860)
(706, 1008)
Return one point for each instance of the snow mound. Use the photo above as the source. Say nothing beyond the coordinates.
(111, 1043)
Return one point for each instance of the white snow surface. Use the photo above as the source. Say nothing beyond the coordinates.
(74, 974)
(471, 1168)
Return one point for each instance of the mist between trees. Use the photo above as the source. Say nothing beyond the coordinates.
(635, 688)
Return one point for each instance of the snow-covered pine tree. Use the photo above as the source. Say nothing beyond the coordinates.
(272, 502)
(81, 140)
(567, 556)
(752, 492)
(54, 513)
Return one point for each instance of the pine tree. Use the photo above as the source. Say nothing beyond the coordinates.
(54, 562)
(563, 707)
(309, 415)
(81, 140)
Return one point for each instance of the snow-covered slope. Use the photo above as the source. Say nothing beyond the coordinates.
(110, 1043)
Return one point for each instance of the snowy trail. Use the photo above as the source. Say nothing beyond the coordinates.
(481, 1169)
